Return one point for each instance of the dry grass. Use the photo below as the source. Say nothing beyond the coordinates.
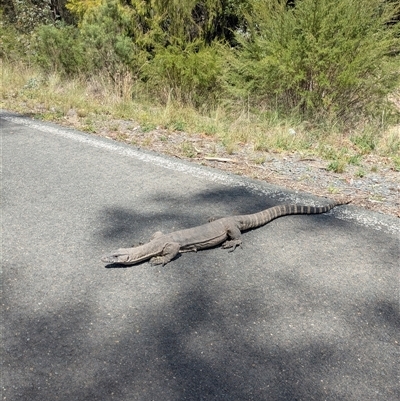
(27, 90)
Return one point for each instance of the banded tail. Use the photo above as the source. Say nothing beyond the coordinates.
(249, 221)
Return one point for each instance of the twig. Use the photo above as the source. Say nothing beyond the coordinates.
(220, 159)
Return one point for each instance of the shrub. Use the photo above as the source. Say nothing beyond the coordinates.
(110, 35)
(190, 74)
(318, 60)
(60, 49)
(11, 46)
(27, 15)
(79, 8)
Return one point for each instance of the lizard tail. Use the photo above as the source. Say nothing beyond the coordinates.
(250, 221)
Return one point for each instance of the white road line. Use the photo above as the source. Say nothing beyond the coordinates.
(377, 221)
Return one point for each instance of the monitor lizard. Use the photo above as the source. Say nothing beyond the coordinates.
(162, 248)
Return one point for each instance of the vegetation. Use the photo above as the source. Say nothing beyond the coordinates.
(283, 75)
(322, 62)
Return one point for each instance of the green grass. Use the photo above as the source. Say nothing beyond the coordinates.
(188, 149)
(396, 163)
(337, 166)
(354, 159)
(360, 173)
(365, 141)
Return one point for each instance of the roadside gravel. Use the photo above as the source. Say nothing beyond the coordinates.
(373, 184)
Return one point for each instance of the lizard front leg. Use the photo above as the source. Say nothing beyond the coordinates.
(170, 250)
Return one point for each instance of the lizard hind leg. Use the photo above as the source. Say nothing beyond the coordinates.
(235, 239)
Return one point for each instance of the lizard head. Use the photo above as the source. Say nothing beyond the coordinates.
(129, 256)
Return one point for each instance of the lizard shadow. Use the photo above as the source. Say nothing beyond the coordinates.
(122, 266)
(116, 266)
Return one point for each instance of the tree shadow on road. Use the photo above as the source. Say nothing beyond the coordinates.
(223, 331)
(202, 344)
(188, 351)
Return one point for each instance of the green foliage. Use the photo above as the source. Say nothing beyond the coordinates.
(7, 11)
(28, 14)
(190, 74)
(104, 41)
(80, 7)
(109, 36)
(326, 64)
(317, 60)
(11, 47)
(59, 49)
(178, 21)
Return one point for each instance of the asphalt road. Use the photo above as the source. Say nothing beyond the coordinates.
(307, 310)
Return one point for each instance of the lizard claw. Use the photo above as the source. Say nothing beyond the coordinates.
(136, 244)
(157, 260)
(233, 244)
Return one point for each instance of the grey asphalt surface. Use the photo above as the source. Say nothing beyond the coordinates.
(307, 310)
